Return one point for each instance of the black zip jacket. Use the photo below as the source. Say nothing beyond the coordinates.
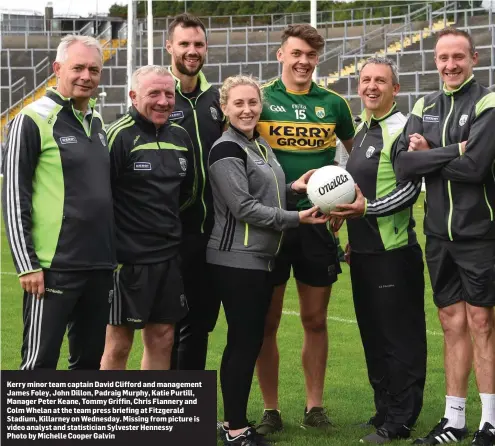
(460, 188)
(56, 195)
(388, 221)
(203, 119)
(153, 175)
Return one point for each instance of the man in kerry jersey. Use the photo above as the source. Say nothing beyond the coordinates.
(300, 121)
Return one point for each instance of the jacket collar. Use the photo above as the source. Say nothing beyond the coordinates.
(464, 86)
(143, 122)
(242, 135)
(54, 95)
(391, 112)
(203, 83)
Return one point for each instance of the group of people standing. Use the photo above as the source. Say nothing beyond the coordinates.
(197, 197)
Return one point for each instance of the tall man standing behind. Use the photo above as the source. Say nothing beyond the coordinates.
(197, 109)
(57, 208)
(448, 140)
(300, 121)
(153, 173)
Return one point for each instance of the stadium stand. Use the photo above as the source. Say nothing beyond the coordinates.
(240, 44)
(418, 75)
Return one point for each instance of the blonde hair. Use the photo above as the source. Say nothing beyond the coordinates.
(235, 81)
(70, 39)
(147, 69)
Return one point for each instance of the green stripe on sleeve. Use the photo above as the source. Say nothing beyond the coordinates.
(392, 228)
(48, 192)
(159, 145)
(111, 138)
(485, 103)
(418, 108)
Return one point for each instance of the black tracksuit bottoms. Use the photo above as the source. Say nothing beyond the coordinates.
(76, 301)
(191, 333)
(388, 291)
(246, 296)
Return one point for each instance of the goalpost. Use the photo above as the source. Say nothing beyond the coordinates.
(131, 40)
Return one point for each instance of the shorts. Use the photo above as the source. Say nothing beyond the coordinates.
(151, 293)
(461, 271)
(311, 251)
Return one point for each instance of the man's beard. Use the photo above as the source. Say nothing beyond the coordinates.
(186, 71)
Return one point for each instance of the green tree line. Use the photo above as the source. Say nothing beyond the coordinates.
(226, 8)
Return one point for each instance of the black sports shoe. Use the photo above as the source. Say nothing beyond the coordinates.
(248, 438)
(383, 436)
(443, 435)
(373, 422)
(221, 430)
(485, 436)
(317, 418)
(270, 423)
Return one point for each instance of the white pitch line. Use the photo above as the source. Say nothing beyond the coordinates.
(351, 321)
(293, 313)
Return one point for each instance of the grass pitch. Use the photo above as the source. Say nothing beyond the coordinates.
(347, 396)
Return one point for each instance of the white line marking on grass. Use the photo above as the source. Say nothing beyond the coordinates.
(350, 321)
(293, 313)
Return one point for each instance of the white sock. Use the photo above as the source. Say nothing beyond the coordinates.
(487, 409)
(455, 412)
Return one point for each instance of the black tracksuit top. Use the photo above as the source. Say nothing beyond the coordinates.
(460, 188)
(203, 119)
(153, 174)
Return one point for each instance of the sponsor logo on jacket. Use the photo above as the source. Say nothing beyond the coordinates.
(177, 114)
(141, 165)
(68, 140)
(431, 118)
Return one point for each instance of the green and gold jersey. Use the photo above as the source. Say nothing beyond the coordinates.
(301, 127)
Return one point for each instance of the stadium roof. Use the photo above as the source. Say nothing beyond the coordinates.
(20, 12)
(62, 8)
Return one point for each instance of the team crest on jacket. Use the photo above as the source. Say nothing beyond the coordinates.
(463, 120)
(183, 300)
(320, 112)
(183, 164)
(214, 113)
(102, 139)
(370, 151)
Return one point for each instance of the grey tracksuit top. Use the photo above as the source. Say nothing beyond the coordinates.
(249, 199)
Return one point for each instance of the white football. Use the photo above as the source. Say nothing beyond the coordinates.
(330, 186)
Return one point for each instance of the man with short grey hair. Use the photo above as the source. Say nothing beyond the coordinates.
(385, 259)
(57, 208)
(153, 177)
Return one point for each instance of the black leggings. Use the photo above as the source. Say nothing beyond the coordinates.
(246, 296)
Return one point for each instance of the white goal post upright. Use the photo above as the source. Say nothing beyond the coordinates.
(150, 32)
(130, 46)
(313, 21)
